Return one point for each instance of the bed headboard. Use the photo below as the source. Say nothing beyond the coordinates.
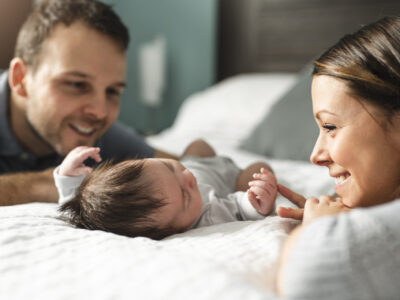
(283, 35)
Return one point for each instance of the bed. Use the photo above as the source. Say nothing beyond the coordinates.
(43, 257)
(250, 115)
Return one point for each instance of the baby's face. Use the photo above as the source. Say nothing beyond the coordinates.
(178, 188)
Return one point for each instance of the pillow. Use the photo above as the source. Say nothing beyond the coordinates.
(288, 131)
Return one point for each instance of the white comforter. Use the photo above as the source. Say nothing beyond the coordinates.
(43, 257)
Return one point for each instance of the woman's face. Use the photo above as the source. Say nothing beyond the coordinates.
(362, 157)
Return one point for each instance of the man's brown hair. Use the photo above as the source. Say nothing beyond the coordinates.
(48, 13)
(116, 198)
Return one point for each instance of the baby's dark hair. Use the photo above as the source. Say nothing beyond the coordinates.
(116, 198)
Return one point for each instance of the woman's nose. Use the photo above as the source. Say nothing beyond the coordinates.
(320, 154)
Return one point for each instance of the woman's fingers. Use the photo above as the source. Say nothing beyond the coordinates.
(297, 199)
(288, 212)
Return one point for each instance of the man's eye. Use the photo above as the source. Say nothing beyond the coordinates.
(113, 92)
(76, 84)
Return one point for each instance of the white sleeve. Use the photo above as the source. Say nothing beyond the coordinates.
(235, 207)
(354, 255)
(246, 209)
(66, 185)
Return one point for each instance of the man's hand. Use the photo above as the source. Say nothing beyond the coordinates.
(73, 165)
(262, 191)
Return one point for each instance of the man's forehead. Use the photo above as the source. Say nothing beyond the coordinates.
(77, 48)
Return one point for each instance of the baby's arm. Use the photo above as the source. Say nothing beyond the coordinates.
(70, 174)
(199, 148)
(262, 192)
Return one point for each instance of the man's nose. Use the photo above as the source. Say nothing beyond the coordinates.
(96, 108)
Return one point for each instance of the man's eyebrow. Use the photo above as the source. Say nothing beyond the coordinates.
(78, 74)
(87, 76)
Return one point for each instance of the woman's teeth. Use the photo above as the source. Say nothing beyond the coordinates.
(340, 179)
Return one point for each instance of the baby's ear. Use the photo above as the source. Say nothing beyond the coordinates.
(17, 76)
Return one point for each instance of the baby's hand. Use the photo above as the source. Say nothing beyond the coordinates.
(73, 165)
(262, 191)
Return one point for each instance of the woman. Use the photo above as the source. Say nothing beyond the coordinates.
(351, 253)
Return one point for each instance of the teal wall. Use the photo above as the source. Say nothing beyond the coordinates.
(190, 29)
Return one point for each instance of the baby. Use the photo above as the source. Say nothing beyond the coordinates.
(156, 198)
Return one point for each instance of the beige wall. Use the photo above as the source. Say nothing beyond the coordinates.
(12, 14)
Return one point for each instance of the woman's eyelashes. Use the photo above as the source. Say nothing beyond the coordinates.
(329, 127)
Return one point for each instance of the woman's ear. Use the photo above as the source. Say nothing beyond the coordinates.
(17, 76)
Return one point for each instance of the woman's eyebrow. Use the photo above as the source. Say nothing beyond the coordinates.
(318, 114)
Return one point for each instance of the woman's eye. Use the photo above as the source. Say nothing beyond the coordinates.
(329, 127)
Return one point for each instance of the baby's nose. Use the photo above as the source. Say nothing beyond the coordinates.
(190, 179)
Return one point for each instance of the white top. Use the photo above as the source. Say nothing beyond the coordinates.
(354, 255)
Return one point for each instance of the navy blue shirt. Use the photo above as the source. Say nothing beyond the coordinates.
(119, 142)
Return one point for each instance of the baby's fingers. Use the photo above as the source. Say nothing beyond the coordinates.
(265, 176)
(80, 171)
(264, 184)
(92, 152)
(253, 200)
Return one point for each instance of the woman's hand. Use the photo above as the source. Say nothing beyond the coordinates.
(325, 205)
(288, 212)
(311, 208)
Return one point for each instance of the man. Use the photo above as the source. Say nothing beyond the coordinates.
(62, 90)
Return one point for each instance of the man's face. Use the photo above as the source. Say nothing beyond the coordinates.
(73, 96)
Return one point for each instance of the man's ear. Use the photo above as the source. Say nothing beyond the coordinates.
(17, 76)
